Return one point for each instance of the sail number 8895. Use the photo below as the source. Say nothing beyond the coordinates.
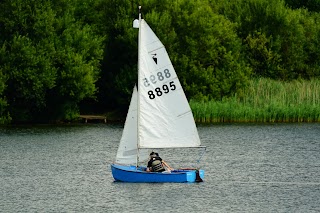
(159, 91)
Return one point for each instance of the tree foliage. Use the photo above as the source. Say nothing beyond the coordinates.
(119, 65)
(202, 45)
(4, 115)
(279, 41)
(311, 5)
(58, 55)
(212, 66)
(50, 59)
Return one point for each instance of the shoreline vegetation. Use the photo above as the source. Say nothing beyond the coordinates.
(71, 59)
(264, 100)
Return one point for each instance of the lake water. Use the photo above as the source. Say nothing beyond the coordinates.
(249, 168)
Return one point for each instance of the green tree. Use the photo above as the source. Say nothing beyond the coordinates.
(311, 5)
(203, 46)
(119, 66)
(208, 52)
(280, 41)
(51, 59)
(263, 55)
(27, 57)
(4, 115)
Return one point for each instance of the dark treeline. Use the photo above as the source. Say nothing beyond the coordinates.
(60, 57)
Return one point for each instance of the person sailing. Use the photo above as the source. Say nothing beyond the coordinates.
(156, 164)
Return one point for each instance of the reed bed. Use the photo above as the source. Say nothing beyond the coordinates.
(265, 100)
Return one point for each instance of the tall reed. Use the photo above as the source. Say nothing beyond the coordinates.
(265, 100)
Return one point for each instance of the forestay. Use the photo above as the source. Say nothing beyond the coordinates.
(165, 117)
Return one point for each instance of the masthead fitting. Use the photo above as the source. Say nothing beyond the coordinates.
(136, 22)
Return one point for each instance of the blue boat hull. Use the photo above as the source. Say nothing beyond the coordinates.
(139, 175)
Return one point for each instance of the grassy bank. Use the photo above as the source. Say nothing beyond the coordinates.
(265, 100)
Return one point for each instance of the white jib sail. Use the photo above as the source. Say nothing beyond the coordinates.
(165, 118)
(127, 150)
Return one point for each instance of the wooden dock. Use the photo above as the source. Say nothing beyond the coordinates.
(93, 117)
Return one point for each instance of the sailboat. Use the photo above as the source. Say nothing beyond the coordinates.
(159, 116)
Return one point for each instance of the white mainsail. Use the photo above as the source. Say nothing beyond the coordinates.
(165, 118)
(127, 150)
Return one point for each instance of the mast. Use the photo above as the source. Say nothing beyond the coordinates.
(138, 118)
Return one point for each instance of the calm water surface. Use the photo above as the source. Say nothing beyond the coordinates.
(249, 168)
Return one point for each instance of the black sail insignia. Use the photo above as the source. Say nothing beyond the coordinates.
(154, 57)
